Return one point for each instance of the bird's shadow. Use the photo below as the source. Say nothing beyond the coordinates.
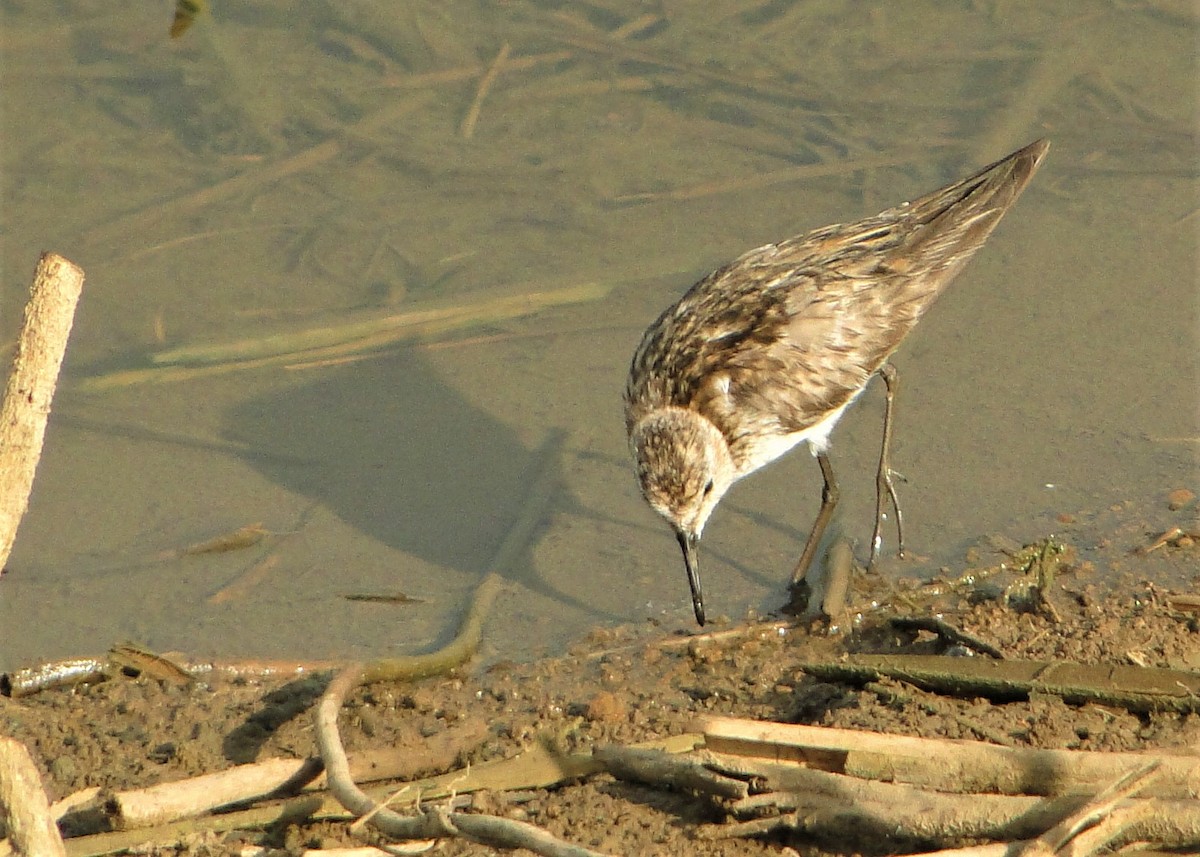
(389, 448)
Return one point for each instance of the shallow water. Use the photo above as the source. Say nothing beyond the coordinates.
(280, 169)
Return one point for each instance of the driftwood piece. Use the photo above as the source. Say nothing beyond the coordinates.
(943, 764)
(168, 802)
(839, 806)
(848, 809)
(1138, 689)
(655, 767)
(41, 345)
(1101, 820)
(23, 805)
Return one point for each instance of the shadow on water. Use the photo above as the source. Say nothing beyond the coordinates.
(390, 449)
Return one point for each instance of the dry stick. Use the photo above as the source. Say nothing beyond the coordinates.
(284, 349)
(836, 805)
(454, 75)
(23, 805)
(656, 767)
(1135, 688)
(437, 822)
(467, 129)
(246, 582)
(947, 765)
(1108, 813)
(123, 841)
(1098, 809)
(535, 768)
(168, 802)
(41, 344)
(839, 563)
(298, 342)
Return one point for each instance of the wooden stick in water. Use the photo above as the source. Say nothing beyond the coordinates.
(467, 129)
(57, 284)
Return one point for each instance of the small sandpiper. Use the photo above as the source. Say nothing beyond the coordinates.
(771, 349)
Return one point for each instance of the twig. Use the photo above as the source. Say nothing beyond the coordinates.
(946, 632)
(947, 765)
(454, 75)
(70, 671)
(167, 802)
(246, 581)
(798, 95)
(839, 806)
(659, 767)
(57, 284)
(335, 340)
(839, 563)
(1094, 811)
(1135, 688)
(467, 129)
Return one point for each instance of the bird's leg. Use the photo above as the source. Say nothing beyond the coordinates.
(883, 479)
(829, 499)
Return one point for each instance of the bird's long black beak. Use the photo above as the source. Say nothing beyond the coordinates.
(687, 543)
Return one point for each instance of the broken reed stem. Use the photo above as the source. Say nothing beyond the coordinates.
(467, 129)
(282, 349)
(57, 284)
(23, 804)
(169, 802)
(1096, 811)
(943, 764)
(392, 327)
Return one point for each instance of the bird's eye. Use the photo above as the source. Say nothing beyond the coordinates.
(708, 486)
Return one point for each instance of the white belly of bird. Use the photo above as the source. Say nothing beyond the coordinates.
(768, 447)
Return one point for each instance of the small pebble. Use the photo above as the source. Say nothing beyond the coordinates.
(1179, 499)
(606, 707)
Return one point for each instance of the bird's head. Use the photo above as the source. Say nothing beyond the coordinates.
(684, 467)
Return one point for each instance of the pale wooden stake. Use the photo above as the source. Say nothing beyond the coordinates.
(41, 345)
(23, 804)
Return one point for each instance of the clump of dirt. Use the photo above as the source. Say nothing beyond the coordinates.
(632, 684)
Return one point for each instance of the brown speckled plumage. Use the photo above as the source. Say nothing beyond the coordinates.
(769, 349)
